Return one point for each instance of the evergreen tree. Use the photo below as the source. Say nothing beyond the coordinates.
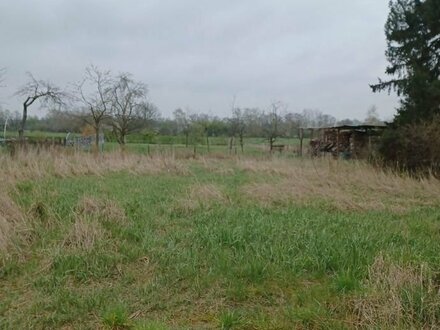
(413, 51)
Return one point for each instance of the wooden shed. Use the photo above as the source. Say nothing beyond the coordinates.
(345, 141)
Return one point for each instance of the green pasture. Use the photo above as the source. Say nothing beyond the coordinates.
(174, 253)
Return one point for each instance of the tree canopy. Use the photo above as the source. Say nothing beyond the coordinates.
(413, 51)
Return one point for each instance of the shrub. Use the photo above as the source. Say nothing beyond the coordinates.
(413, 148)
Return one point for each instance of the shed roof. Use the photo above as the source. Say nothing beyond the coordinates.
(349, 127)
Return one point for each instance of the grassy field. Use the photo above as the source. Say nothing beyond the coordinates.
(36, 134)
(180, 150)
(136, 242)
(137, 138)
(174, 145)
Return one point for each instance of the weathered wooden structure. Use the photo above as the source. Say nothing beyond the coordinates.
(345, 141)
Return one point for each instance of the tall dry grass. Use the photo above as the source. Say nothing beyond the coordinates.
(103, 209)
(200, 196)
(84, 234)
(345, 185)
(398, 296)
(12, 224)
(35, 164)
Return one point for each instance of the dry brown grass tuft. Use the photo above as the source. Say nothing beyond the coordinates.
(218, 166)
(345, 185)
(200, 195)
(12, 224)
(34, 164)
(84, 233)
(399, 296)
(104, 209)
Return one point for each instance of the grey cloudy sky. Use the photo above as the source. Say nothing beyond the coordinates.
(198, 54)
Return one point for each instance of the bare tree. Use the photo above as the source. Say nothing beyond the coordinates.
(147, 114)
(40, 90)
(201, 125)
(95, 92)
(292, 123)
(273, 126)
(128, 105)
(238, 115)
(237, 127)
(183, 123)
(149, 111)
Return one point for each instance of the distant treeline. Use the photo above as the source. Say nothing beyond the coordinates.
(184, 127)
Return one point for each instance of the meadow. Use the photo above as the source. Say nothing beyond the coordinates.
(169, 241)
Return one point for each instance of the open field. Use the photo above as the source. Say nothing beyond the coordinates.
(162, 242)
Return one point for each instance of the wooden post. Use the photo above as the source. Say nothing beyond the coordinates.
(301, 137)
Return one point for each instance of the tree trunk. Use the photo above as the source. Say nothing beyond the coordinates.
(97, 138)
(23, 123)
(123, 149)
(122, 139)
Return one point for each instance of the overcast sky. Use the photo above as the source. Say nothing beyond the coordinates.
(197, 54)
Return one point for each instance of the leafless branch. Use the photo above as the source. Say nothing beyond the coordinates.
(95, 93)
(128, 105)
(43, 91)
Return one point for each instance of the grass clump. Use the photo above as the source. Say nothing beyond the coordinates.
(117, 318)
(84, 234)
(103, 209)
(230, 320)
(13, 226)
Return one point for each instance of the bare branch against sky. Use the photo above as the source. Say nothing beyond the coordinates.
(199, 54)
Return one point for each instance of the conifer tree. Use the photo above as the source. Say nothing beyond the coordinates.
(413, 52)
